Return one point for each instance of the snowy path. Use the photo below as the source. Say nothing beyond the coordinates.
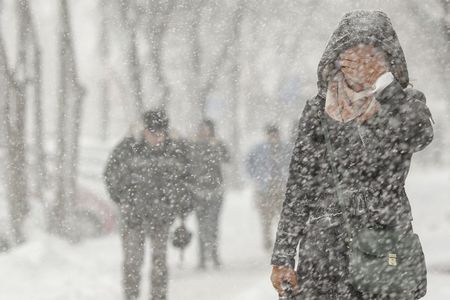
(49, 269)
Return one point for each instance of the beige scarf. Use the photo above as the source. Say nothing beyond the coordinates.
(344, 104)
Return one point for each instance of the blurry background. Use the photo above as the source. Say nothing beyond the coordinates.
(75, 75)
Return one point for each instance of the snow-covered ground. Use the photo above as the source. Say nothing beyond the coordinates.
(47, 268)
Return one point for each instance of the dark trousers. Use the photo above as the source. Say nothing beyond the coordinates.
(269, 205)
(133, 244)
(207, 209)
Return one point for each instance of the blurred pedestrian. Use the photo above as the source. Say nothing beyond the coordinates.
(267, 165)
(208, 156)
(146, 177)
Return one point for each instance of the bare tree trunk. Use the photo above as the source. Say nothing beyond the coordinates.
(17, 186)
(15, 139)
(135, 72)
(203, 78)
(17, 96)
(69, 119)
(129, 16)
(289, 67)
(198, 110)
(59, 210)
(41, 169)
(446, 21)
(157, 28)
(104, 56)
(58, 216)
(17, 181)
(31, 56)
(235, 89)
(212, 74)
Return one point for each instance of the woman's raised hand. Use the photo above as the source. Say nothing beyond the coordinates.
(282, 276)
(362, 66)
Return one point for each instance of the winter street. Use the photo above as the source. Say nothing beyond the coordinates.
(224, 150)
(49, 269)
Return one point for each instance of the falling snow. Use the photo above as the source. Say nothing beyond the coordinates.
(168, 149)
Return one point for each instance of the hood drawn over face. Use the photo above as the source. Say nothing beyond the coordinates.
(363, 27)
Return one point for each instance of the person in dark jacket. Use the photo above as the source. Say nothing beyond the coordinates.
(146, 177)
(267, 164)
(208, 156)
(374, 124)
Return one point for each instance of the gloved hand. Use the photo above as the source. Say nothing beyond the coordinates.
(282, 276)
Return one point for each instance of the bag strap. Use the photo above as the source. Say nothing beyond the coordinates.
(332, 158)
(337, 187)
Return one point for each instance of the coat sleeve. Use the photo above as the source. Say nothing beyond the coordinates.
(402, 127)
(117, 171)
(408, 121)
(224, 153)
(299, 191)
(184, 156)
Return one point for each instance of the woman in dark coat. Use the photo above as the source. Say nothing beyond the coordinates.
(373, 124)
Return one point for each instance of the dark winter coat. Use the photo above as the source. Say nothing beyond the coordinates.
(206, 162)
(149, 181)
(372, 161)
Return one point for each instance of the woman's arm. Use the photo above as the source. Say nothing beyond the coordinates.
(224, 154)
(407, 120)
(402, 127)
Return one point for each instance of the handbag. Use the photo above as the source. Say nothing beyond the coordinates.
(383, 260)
(387, 261)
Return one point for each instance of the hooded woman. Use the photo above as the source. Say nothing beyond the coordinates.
(355, 140)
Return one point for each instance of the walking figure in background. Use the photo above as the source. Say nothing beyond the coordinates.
(267, 165)
(345, 202)
(208, 155)
(146, 177)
